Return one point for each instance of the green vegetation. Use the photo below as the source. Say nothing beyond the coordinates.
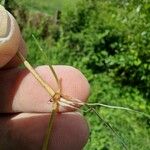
(46, 6)
(109, 41)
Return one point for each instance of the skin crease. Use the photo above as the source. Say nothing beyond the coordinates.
(24, 104)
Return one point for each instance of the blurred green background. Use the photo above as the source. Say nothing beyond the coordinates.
(109, 41)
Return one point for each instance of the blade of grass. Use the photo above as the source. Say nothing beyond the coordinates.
(36, 75)
(77, 101)
(120, 108)
(46, 58)
(120, 138)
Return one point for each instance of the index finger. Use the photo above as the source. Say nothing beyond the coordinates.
(21, 92)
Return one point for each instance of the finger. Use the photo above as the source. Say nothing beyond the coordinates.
(26, 132)
(21, 92)
(15, 61)
(10, 39)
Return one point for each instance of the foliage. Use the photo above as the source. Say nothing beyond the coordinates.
(110, 42)
(113, 39)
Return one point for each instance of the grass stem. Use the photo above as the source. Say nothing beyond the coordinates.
(49, 130)
(36, 75)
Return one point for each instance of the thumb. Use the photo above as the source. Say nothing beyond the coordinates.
(10, 37)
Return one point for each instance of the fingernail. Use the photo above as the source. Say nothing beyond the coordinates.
(3, 22)
(10, 36)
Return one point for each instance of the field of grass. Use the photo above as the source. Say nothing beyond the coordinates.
(46, 6)
(109, 43)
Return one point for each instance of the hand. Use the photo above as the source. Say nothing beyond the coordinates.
(24, 103)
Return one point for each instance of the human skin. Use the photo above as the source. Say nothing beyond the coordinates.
(24, 105)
